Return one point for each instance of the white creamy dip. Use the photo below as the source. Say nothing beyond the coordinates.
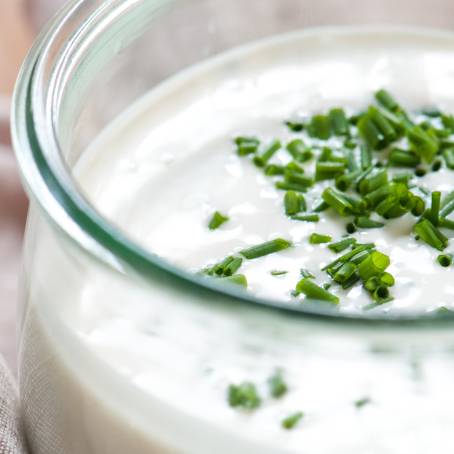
(158, 364)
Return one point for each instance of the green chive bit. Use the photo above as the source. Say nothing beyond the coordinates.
(274, 169)
(278, 272)
(237, 279)
(403, 158)
(291, 421)
(345, 272)
(338, 201)
(434, 212)
(339, 122)
(447, 205)
(294, 126)
(431, 111)
(269, 247)
(320, 206)
(385, 99)
(387, 279)
(372, 283)
(381, 294)
(306, 273)
(298, 151)
(336, 264)
(402, 177)
(314, 292)
(343, 182)
(448, 122)
(327, 170)
(342, 245)
(363, 222)
(422, 143)
(246, 145)
(277, 385)
(370, 134)
(233, 266)
(374, 198)
(373, 265)
(446, 223)
(365, 157)
(373, 181)
(293, 166)
(382, 124)
(360, 403)
(428, 233)
(284, 186)
(261, 160)
(292, 177)
(312, 217)
(448, 156)
(217, 220)
(223, 268)
(445, 260)
(317, 238)
(320, 127)
(244, 395)
(294, 203)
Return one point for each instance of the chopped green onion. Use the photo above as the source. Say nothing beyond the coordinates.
(387, 101)
(292, 166)
(445, 260)
(294, 126)
(434, 212)
(373, 181)
(403, 158)
(290, 186)
(294, 203)
(246, 145)
(387, 279)
(244, 395)
(321, 206)
(373, 265)
(306, 273)
(217, 220)
(366, 157)
(448, 122)
(337, 201)
(360, 403)
(278, 272)
(314, 292)
(327, 170)
(446, 223)
(427, 232)
(319, 127)
(237, 279)
(312, 217)
(269, 247)
(342, 245)
(339, 122)
(447, 205)
(345, 272)
(370, 134)
(448, 155)
(277, 385)
(291, 421)
(436, 165)
(343, 182)
(382, 124)
(422, 143)
(261, 160)
(363, 222)
(381, 294)
(336, 264)
(292, 177)
(274, 169)
(351, 228)
(317, 238)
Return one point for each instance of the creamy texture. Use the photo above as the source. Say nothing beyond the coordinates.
(162, 169)
(113, 365)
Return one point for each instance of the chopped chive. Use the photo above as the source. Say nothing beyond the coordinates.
(292, 166)
(321, 206)
(448, 156)
(422, 143)
(327, 170)
(246, 145)
(269, 247)
(278, 272)
(296, 148)
(343, 182)
(319, 127)
(363, 222)
(370, 134)
(373, 181)
(294, 203)
(402, 177)
(306, 273)
(351, 228)
(403, 158)
(244, 395)
(380, 294)
(448, 122)
(360, 403)
(373, 265)
(339, 122)
(428, 233)
(338, 201)
(217, 220)
(345, 272)
(274, 169)
(350, 144)
(261, 160)
(294, 126)
(292, 177)
(317, 238)
(348, 256)
(446, 223)
(366, 157)
(387, 279)
(382, 124)
(314, 292)
(312, 217)
(354, 278)
(277, 385)
(291, 421)
(233, 266)
(284, 186)
(237, 279)
(386, 100)
(445, 260)
(447, 205)
(372, 283)
(341, 245)
(434, 212)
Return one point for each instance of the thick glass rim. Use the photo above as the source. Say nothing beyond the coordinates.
(49, 182)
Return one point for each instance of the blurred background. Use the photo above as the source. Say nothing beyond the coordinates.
(20, 21)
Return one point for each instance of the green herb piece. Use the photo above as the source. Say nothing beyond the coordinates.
(385, 99)
(403, 158)
(422, 143)
(343, 182)
(382, 124)
(428, 233)
(448, 156)
(294, 203)
(402, 177)
(246, 145)
(446, 223)
(284, 186)
(363, 222)
(373, 181)
(448, 122)
(314, 292)
(291, 421)
(370, 134)
(217, 220)
(269, 247)
(277, 385)
(387, 279)
(360, 403)
(306, 273)
(339, 122)
(317, 238)
(374, 264)
(278, 272)
(244, 395)
(341, 245)
(294, 126)
(274, 169)
(320, 206)
(293, 167)
(312, 217)
(445, 260)
(298, 151)
(345, 272)
(372, 283)
(320, 127)
(375, 197)
(328, 169)
(237, 279)
(350, 228)
(337, 201)
(273, 147)
(332, 267)
(292, 177)
(434, 213)
(447, 205)
(381, 294)
(366, 157)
